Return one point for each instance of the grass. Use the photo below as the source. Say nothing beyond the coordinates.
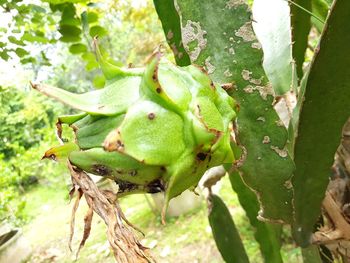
(186, 238)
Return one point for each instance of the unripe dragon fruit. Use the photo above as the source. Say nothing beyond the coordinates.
(150, 130)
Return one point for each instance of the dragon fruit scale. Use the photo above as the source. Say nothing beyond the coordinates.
(153, 129)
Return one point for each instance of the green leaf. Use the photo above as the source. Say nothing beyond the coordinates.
(4, 55)
(91, 62)
(324, 112)
(273, 30)
(32, 38)
(16, 31)
(28, 60)
(98, 31)
(70, 39)
(231, 54)
(39, 33)
(68, 16)
(225, 233)
(14, 40)
(267, 235)
(99, 81)
(92, 17)
(91, 65)
(67, 30)
(21, 52)
(37, 8)
(171, 25)
(301, 25)
(36, 19)
(87, 56)
(72, 21)
(77, 48)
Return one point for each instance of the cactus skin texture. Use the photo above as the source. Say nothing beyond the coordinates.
(153, 129)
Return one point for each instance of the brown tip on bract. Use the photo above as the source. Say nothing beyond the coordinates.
(201, 69)
(227, 86)
(157, 53)
(113, 142)
(34, 86)
(49, 155)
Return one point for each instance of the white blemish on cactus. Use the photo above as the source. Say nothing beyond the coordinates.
(249, 89)
(288, 184)
(231, 51)
(266, 140)
(265, 91)
(281, 152)
(261, 118)
(280, 123)
(246, 74)
(246, 32)
(210, 67)
(227, 73)
(255, 81)
(256, 45)
(190, 33)
(233, 4)
(170, 34)
(176, 51)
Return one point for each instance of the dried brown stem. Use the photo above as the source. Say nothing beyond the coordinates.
(341, 229)
(72, 220)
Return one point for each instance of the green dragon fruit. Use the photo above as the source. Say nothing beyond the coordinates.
(150, 130)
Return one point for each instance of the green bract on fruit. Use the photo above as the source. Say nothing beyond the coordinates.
(152, 129)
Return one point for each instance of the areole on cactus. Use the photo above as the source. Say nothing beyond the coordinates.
(150, 130)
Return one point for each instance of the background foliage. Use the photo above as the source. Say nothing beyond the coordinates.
(51, 41)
